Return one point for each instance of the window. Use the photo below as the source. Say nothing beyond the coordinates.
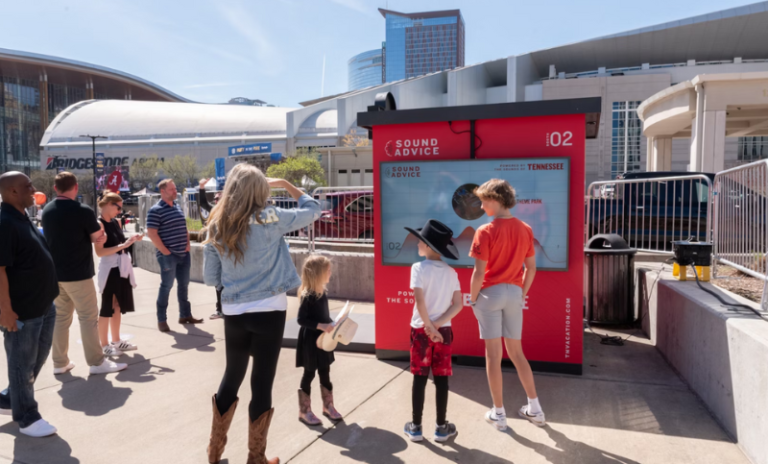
(368, 177)
(361, 205)
(342, 178)
(627, 131)
(752, 149)
(355, 177)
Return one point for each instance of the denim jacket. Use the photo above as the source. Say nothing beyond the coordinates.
(267, 268)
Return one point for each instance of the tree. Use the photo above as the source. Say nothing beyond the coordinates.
(209, 170)
(145, 171)
(43, 182)
(354, 140)
(182, 169)
(301, 169)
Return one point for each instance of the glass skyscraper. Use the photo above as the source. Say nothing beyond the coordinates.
(365, 70)
(422, 43)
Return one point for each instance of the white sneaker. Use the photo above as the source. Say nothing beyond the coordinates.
(536, 419)
(124, 345)
(497, 420)
(107, 367)
(63, 370)
(39, 429)
(111, 350)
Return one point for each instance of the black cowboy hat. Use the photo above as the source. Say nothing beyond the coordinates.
(438, 237)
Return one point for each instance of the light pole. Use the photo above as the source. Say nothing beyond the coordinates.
(95, 190)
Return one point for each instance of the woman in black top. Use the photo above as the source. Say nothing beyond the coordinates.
(115, 276)
(314, 319)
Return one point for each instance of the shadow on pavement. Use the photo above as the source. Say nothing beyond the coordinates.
(454, 452)
(50, 450)
(567, 450)
(191, 339)
(367, 444)
(95, 396)
(141, 370)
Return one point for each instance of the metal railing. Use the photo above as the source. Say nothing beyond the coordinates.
(740, 230)
(651, 213)
(347, 214)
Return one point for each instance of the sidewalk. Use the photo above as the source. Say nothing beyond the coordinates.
(628, 407)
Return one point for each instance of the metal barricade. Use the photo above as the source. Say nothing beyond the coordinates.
(347, 214)
(740, 231)
(146, 202)
(650, 213)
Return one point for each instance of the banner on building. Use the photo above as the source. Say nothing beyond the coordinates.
(250, 149)
(115, 182)
(99, 164)
(220, 173)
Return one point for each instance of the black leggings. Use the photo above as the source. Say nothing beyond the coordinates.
(441, 395)
(309, 376)
(251, 335)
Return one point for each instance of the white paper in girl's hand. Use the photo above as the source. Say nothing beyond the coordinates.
(343, 314)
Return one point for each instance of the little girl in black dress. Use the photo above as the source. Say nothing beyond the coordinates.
(314, 319)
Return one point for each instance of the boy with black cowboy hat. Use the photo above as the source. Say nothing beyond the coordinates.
(438, 300)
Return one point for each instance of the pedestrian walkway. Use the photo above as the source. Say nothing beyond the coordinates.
(628, 407)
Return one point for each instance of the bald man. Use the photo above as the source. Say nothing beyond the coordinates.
(28, 287)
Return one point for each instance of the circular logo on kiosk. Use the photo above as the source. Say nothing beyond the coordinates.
(389, 148)
(466, 204)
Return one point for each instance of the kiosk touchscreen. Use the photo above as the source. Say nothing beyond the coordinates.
(443, 190)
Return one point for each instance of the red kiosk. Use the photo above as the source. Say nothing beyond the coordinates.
(426, 165)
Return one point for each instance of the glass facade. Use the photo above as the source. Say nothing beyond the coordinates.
(364, 70)
(752, 149)
(625, 138)
(422, 43)
(20, 130)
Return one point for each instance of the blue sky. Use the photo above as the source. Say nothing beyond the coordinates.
(211, 51)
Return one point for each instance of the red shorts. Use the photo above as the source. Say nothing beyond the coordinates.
(425, 353)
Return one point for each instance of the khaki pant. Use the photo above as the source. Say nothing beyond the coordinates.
(79, 295)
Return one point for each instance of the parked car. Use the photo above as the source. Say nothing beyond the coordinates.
(652, 214)
(346, 215)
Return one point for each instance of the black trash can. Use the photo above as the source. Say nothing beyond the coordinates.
(610, 280)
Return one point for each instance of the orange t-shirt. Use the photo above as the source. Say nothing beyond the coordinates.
(503, 244)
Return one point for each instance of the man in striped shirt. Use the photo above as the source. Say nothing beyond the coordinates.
(167, 228)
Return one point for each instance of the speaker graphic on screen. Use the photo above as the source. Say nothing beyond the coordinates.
(466, 204)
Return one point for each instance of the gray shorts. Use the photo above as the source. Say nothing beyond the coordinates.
(499, 311)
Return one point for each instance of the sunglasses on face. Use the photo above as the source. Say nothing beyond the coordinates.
(119, 208)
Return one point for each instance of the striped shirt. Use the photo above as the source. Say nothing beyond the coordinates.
(171, 226)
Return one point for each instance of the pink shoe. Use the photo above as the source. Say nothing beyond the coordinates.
(305, 410)
(328, 410)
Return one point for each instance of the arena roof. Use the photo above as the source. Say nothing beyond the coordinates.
(131, 121)
(722, 35)
(32, 63)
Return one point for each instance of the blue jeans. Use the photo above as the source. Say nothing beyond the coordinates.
(173, 267)
(26, 350)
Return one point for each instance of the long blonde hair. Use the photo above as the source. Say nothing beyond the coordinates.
(312, 274)
(245, 196)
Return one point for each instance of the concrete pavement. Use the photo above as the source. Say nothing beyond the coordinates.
(628, 407)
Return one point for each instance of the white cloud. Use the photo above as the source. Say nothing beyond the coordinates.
(356, 5)
(249, 28)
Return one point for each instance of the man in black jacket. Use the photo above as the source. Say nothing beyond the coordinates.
(28, 287)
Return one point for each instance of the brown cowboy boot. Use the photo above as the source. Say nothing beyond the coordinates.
(219, 430)
(305, 410)
(328, 410)
(257, 440)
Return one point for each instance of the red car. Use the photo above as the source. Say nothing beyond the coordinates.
(346, 215)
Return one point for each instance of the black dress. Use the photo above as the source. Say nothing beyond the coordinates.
(116, 285)
(312, 311)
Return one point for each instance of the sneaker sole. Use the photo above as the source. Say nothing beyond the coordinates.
(531, 420)
(414, 439)
(496, 425)
(445, 438)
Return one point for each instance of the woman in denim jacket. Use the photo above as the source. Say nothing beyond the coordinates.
(245, 253)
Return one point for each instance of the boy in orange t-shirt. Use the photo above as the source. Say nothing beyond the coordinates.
(505, 266)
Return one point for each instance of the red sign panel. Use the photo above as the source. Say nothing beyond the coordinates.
(552, 330)
(114, 180)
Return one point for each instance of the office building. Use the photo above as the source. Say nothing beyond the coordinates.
(422, 43)
(365, 70)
